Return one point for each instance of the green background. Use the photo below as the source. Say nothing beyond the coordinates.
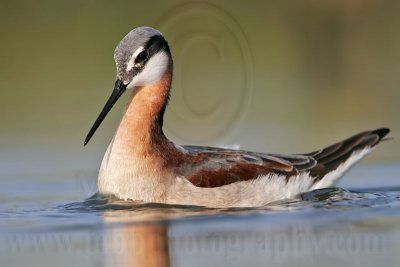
(272, 76)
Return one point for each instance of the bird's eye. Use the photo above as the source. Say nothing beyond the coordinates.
(141, 57)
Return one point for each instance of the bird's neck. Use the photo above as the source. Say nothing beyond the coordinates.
(140, 131)
(139, 154)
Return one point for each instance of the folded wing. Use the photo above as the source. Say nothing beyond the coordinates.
(214, 167)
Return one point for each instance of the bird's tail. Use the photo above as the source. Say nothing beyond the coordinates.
(335, 160)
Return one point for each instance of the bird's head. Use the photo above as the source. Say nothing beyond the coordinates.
(142, 57)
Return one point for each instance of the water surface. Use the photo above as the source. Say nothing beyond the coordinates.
(43, 224)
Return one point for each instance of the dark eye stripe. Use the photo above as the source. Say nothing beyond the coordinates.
(141, 57)
(156, 44)
(153, 46)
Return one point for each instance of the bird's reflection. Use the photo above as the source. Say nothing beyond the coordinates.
(138, 234)
(132, 243)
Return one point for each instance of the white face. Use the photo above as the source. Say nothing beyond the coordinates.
(151, 72)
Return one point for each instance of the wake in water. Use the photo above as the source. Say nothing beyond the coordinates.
(327, 198)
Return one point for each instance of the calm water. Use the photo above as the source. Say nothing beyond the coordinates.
(43, 224)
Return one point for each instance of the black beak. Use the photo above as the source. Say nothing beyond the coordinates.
(119, 89)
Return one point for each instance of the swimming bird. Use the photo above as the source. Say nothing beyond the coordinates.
(142, 164)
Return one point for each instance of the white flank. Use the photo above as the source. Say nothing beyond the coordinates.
(258, 192)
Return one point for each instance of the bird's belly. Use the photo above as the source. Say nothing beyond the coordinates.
(257, 192)
(133, 183)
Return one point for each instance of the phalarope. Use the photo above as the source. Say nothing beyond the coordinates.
(142, 164)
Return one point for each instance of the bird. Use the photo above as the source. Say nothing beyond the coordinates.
(142, 164)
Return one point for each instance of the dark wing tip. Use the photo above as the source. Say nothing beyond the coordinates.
(381, 132)
(330, 158)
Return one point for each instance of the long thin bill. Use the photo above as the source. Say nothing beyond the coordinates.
(119, 89)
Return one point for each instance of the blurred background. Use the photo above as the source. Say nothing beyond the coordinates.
(272, 76)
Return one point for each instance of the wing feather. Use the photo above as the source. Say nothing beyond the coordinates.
(214, 166)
